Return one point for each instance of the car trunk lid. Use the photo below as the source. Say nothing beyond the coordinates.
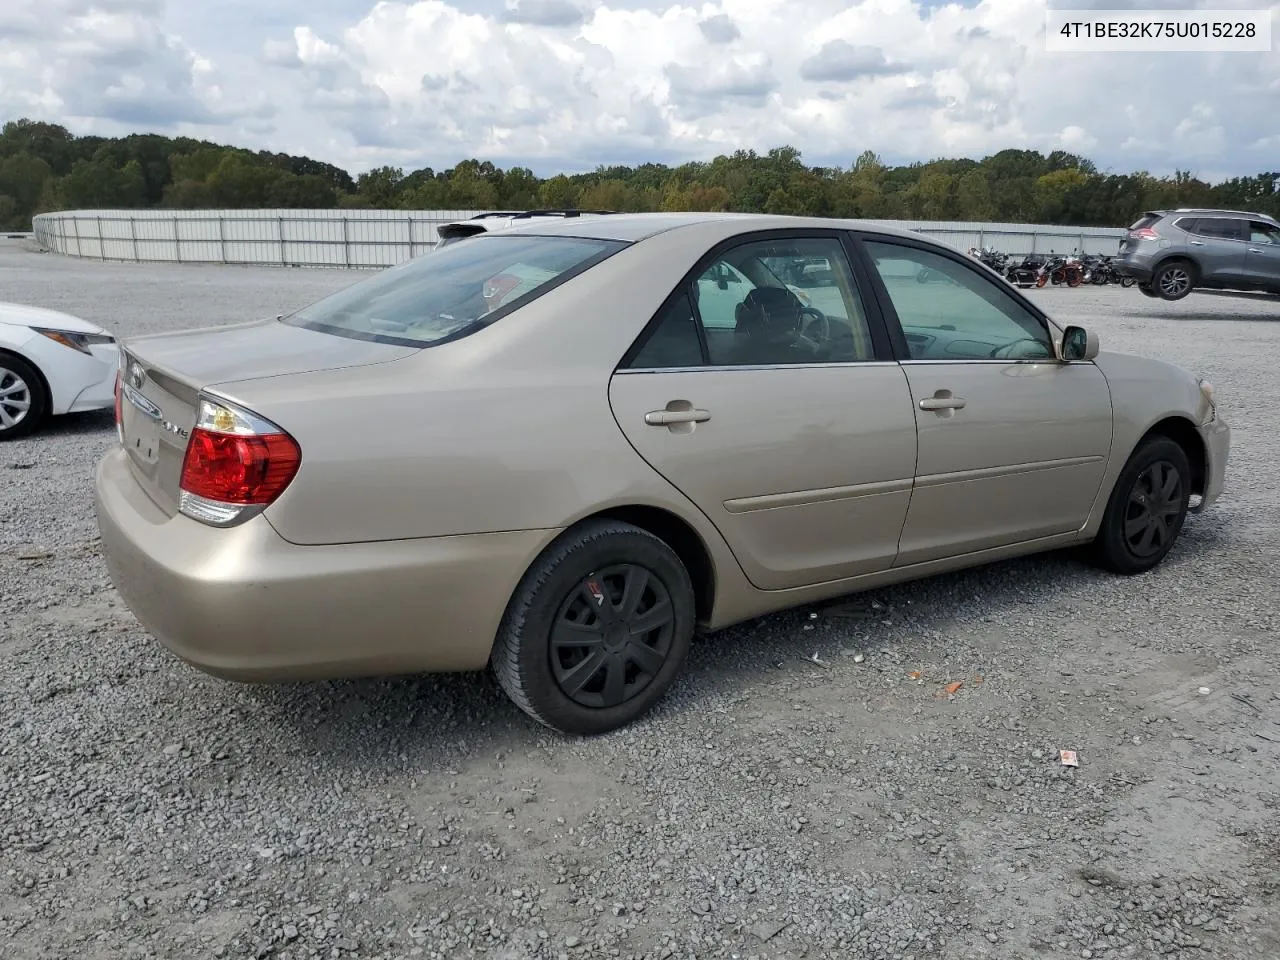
(162, 376)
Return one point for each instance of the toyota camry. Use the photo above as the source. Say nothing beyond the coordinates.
(558, 451)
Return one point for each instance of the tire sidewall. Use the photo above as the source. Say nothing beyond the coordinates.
(537, 603)
(1113, 544)
(39, 397)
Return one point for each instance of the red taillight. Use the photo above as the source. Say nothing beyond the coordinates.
(1145, 233)
(239, 469)
(119, 409)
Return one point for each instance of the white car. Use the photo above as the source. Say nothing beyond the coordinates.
(450, 233)
(51, 363)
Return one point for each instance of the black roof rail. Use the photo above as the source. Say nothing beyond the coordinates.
(525, 214)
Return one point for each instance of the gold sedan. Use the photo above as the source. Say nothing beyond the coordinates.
(558, 450)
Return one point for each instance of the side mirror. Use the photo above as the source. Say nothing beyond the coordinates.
(1078, 344)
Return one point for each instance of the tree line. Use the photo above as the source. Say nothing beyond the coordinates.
(44, 167)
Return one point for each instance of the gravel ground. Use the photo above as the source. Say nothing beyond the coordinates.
(771, 808)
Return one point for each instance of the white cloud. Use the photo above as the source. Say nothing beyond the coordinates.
(572, 83)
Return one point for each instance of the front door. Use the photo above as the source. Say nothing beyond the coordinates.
(1262, 255)
(788, 425)
(1012, 443)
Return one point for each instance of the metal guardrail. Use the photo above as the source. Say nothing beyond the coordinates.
(383, 238)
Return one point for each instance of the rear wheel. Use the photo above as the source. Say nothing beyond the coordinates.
(24, 402)
(1173, 280)
(597, 630)
(1147, 509)
(1147, 291)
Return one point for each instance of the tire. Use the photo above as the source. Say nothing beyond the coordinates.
(1146, 290)
(1127, 281)
(1173, 280)
(569, 584)
(24, 399)
(1154, 485)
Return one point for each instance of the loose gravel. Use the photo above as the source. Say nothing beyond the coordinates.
(809, 790)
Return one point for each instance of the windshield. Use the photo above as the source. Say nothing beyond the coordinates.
(452, 292)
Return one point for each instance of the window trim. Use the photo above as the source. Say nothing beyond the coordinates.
(881, 343)
(902, 351)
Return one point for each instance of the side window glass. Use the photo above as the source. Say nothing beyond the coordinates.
(783, 301)
(949, 311)
(720, 289)
(1263, 233)
(1221, 228)
(673, 342)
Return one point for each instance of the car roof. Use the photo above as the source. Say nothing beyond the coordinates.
(1214, 211)
(633, 227)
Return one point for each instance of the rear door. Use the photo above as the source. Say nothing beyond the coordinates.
(1262, 255)
(788, 425)
(1217, 244)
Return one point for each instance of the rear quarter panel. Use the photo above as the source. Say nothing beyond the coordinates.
(507, 429)
(1144, 392)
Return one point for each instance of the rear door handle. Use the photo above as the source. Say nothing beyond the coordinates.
(664, 418)
(1254, 250)
(1197, 243)
(942, 403)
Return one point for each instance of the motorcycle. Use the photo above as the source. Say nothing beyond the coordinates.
(991, 257)
(1061, 270)
(1027, 272)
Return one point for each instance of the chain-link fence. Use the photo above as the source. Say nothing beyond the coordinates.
(381, 238)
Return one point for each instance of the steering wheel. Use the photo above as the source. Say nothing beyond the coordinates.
(820, 320)
(1006, 351)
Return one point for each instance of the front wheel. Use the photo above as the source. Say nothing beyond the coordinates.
(597, 630)
(1146, 290)
(24, 402)
(1147, 508)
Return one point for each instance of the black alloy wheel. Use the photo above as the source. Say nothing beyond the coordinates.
(1153, 512)
(597, 630)
(1147, 508)
(611, 636)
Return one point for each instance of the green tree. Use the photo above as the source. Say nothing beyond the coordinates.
(973, 196)
(558, 193)
(22, 179)
(380, 186)
(93, 183)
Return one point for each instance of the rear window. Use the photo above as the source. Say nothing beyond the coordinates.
(1146, 220)
(454, 291)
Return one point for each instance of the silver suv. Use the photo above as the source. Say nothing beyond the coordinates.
(499, 220)
(1172, 252)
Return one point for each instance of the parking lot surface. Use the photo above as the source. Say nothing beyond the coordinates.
(800, 794)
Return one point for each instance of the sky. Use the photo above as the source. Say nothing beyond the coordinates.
(567, 85)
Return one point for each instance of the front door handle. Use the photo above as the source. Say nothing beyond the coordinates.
(939, 402)
(679, 415)
(1254, 250)
(1197, 243)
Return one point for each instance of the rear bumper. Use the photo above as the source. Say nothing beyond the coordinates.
(1138, 271)
(1217, 444)
(245, 604)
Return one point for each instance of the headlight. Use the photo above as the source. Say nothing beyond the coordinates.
(76, 341)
